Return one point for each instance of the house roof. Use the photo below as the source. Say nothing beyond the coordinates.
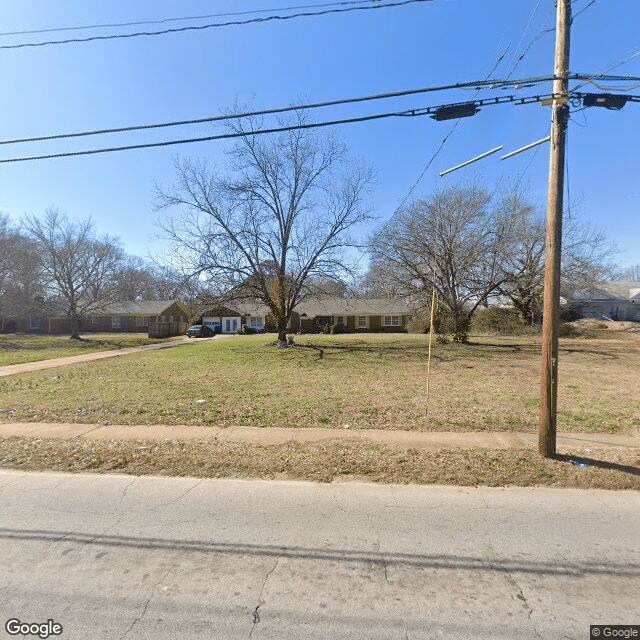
(334, 306)
(324, 306)
(140, 307)
(612, 291)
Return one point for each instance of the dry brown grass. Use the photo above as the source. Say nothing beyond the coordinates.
(324, 462)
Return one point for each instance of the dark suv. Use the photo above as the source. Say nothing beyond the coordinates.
(200, 331)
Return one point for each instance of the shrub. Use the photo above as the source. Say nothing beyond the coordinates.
(443, 324)
(569, 313)
(505, 321)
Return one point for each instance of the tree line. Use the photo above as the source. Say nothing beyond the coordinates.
(56, 266)
(290, 211)
(288, 218)
(474, 247)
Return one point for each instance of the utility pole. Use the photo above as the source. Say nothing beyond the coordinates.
(551, 306)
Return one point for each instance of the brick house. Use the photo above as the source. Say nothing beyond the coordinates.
(314, 315)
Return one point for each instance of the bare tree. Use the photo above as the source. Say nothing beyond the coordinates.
(78, 267)
(136, 280)
(9, 241)
(587, 256)
(285, 212)
(632, 273)
(451, 242)
(20, 274)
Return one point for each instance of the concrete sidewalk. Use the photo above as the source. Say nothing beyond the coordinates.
(41, 365)
(429, 440)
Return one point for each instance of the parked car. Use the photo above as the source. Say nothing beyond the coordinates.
(199, 331)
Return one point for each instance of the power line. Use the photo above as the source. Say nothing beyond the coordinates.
(313, 125)
(600, 76)
(524, 33)
(432, 110)
(183, 19)
(457, 122)
(224, 136)
(399, 3)
(583, 10)
(478, 84)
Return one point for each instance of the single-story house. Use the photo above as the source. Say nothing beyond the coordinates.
(613, 301)
(352, 315)
(313, 315)
(159, 318)
(230, 319)
(138, 316)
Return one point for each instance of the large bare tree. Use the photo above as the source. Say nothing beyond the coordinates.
(78, 266)
(286, 210)
(587, 255)
(451, 242)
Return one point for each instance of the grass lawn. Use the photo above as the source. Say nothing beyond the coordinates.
(17, 348)
(354, 381)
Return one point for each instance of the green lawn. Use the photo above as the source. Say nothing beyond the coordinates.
(17, 348)
(344, 381)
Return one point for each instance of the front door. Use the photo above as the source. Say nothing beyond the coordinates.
(231, 325)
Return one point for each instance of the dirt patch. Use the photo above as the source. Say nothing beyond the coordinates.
(326, 462)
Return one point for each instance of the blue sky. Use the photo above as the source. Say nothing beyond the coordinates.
(66, 88)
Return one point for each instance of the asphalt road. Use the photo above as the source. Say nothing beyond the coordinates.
(120, 557)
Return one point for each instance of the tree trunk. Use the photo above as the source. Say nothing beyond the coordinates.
(461, 326)
(75, 327)
(282, 333)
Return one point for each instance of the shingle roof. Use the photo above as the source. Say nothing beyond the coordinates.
(612, 291)
(138, 307)
(325, 306)
(331, 306)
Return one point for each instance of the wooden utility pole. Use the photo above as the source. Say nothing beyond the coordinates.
(551, 308)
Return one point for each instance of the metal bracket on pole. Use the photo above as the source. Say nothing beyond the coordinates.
(526, 147)
(464, 164)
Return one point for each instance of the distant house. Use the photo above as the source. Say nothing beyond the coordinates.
(613, 301)
(352, 315)
(158, 318)
(313, 316)
(222, 319)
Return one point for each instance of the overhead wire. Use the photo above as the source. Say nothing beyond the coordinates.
(278, 110)
(272, 18)
(522, 55)
(575, 15)
(114, 25)
(446, 138)
(601, 75)
(406, 113)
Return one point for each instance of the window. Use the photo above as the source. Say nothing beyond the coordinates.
(340, 320)
(95, 319)
(115, 322)
(392, 321)
(363, 322)
(142, 321)
(257, 322)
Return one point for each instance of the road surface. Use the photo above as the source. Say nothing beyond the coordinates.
(122, 557)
